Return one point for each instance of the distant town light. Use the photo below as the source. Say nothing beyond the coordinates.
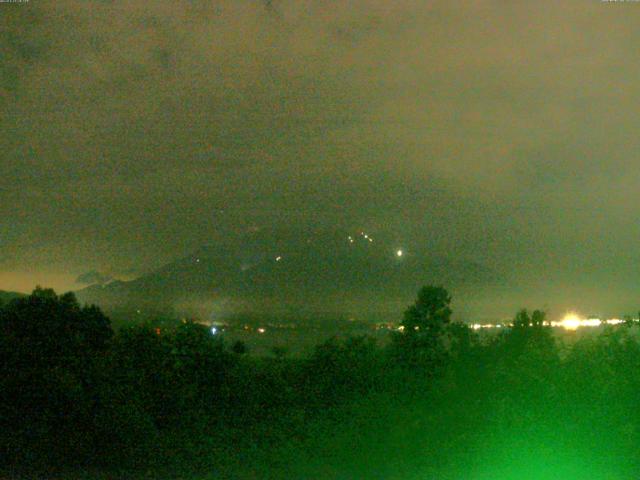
(571, 321)
(278, 258)
(261, 330)
(214, 330)
(399, 253)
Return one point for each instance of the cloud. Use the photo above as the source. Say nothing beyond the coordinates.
(132, 134)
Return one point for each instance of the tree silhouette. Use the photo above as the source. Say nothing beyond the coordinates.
(537, 318)
(421, 342)
(46, 329)
(50, 348)
(522, 319)
(530, 341)
(429, 314)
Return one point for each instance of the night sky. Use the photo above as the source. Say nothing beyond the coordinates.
(498, 133)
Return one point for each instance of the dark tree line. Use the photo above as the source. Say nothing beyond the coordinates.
(436, 401)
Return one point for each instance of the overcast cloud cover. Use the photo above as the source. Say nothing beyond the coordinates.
(501, 132)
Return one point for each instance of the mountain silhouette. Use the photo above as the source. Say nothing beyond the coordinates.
(333, 274)
(8, 296)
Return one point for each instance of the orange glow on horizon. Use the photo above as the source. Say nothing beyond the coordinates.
(25, 282)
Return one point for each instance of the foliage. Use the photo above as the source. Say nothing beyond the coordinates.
(422, 344)
(430, 313)
(435, 402)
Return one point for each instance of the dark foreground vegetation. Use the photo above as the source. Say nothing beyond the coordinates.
(437, 402)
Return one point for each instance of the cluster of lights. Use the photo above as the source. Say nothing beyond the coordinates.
(365, 236)
(478, 326)
(571, 321)
(248, 328)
